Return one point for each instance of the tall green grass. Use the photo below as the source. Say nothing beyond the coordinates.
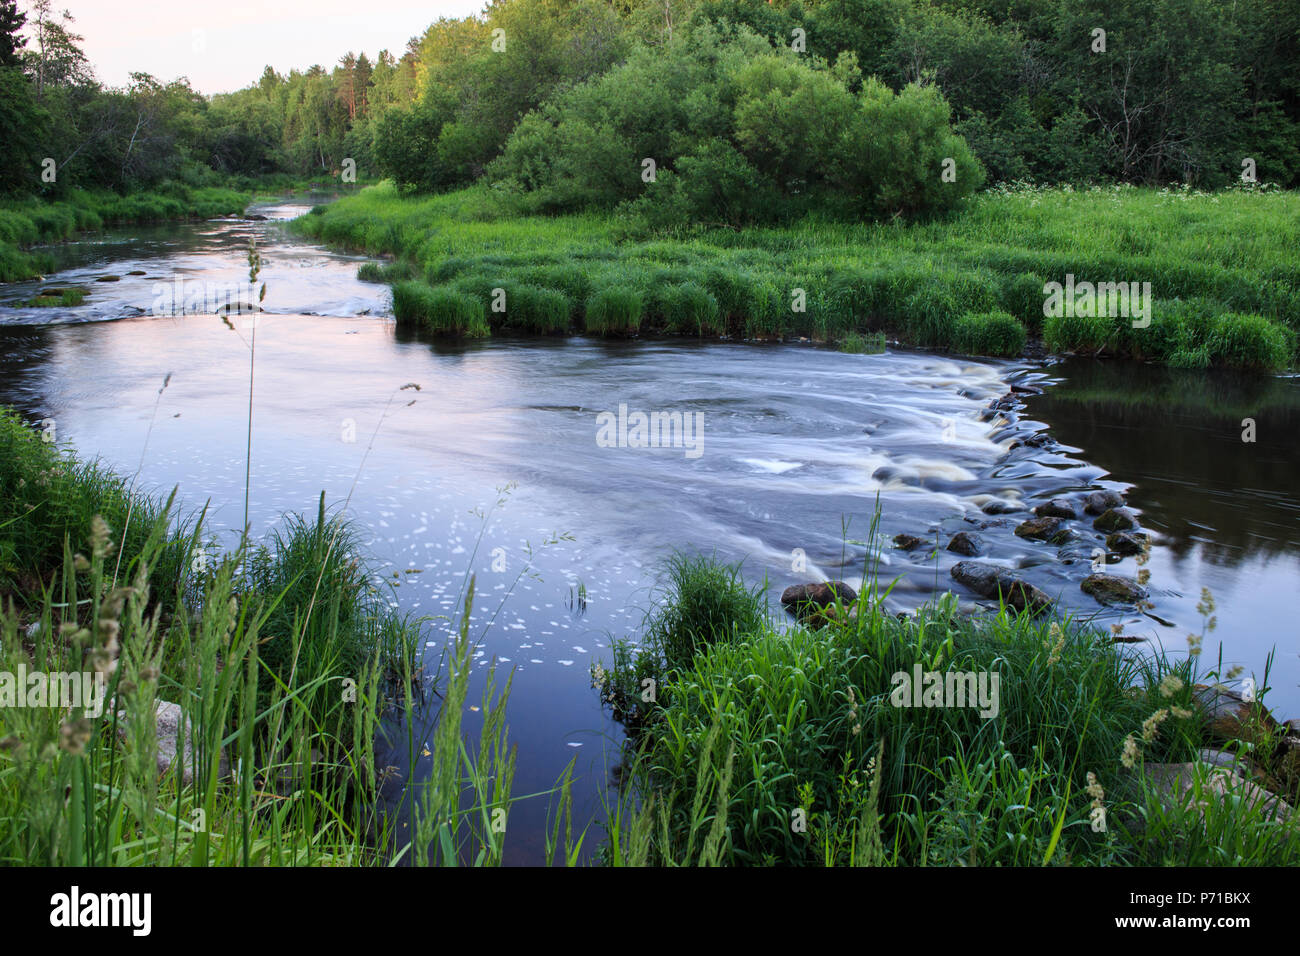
(787, 744)
(1233, 251)
(28, 221)
(280, 656)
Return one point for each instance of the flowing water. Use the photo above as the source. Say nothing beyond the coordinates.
(501, 467)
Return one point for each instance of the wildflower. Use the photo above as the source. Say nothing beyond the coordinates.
(1151, 726)
(99, 535)
(1094, 789)
(1055, 655)
(1129, 757)
(74, 735)
(1170, 684)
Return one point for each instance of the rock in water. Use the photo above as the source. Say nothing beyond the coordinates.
(1125, 542)
(963, 542)
(993, 581)
(909, 542)
(1116, 519)
(1058, 508)
(1102, 501)
(1113, 589)
(1042, 529)
(805, 601)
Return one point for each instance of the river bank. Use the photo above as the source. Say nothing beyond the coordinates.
(1214, 276)
(29, 222)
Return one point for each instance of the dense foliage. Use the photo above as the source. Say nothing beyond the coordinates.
(715, 111)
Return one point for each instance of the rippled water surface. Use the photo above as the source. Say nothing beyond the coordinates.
(797, 443)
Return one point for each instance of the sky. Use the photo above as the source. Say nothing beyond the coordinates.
(223, 45)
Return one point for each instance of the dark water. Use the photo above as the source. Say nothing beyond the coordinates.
(797, 442)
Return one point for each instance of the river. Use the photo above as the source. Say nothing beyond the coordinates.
(796, 443)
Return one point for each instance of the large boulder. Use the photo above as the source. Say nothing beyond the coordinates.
(173, 745)
(1175, 781)
(1229, 716)
(992, 581)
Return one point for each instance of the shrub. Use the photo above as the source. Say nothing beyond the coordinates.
(440, 311)
(988, 333)
(1022, 296)
(535, 309)
(690, 309)
(873, 343)
(930, 315)
(1251, 342)
(1067, 333)
(704, 603)
(614, 310)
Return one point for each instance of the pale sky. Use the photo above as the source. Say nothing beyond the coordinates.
(224, 45)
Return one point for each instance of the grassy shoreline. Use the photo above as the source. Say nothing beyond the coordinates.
(763, 745)
(1225, 278)
(28, 222)
(758, 744)
(239, 692)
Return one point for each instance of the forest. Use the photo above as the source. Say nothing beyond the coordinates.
(745, 109)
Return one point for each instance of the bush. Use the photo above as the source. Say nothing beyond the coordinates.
(1022, 296)
(704, 603)
(930, 314)
(690, 309)
(614, 310)
(1251, 342)
(988, 333)
(1075, 333)
(534, 309)
(872, 343)
(440, 311)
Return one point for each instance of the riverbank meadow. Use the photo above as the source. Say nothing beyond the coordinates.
(1214, 277)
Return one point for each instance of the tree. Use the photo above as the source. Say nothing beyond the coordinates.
(11, 21)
